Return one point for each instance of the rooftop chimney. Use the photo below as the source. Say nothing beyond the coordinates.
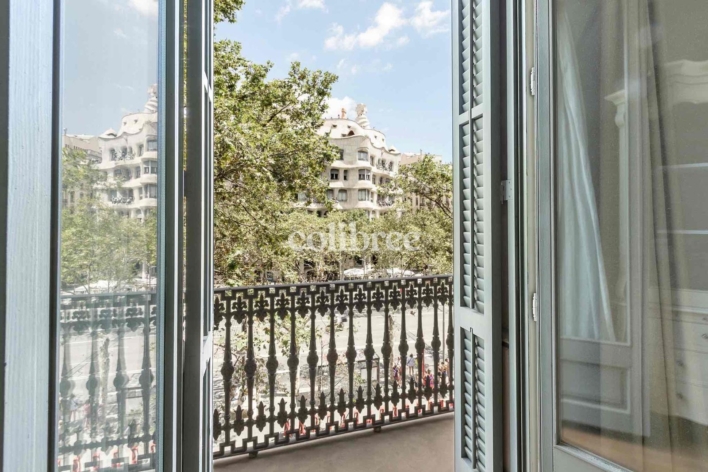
(344, 114)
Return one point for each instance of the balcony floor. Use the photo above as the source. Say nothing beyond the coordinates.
(418, 445)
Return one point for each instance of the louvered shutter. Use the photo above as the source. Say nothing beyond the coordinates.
(477, 110)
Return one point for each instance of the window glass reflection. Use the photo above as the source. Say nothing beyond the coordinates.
(631, 115)
(108, 315)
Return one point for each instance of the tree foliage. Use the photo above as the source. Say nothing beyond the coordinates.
(428, 180)
(97, 242)
(267, 151)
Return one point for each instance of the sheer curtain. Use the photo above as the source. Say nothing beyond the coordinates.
(581, 270)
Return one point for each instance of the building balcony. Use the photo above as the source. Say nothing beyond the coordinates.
(122, 201)
(293, 365)
(426, 445)
(324, 360)
(148, 178)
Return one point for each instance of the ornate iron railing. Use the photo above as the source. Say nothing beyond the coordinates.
(107, 391)
(292, 363)
(301, 362)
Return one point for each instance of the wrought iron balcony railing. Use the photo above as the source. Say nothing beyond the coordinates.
(292, 363)
(107, 395)
(295, 363)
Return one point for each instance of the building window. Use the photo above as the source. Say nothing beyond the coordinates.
(334, 174)
(137, 172)
(364, 174)
(123, 152)
(373, 180)
(363, 195)
(371, 161)
(342, 196)
(152, 145)
(140, 193)
(151, 191)
(150, 167)
(345, 175)
(363, 156)
(330, 194)
(114, 156)
(341, 154)
(117, 174)
(390, 166)
(141, 149)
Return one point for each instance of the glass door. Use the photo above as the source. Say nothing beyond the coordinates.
(118, 324)
(623, 146)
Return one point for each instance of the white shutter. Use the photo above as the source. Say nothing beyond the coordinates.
(477, 112)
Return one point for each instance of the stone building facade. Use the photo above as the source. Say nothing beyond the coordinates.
(366, 161)
(129, 158)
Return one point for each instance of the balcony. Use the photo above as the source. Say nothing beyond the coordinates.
(416, 446)
(292, 364)
(332, 372)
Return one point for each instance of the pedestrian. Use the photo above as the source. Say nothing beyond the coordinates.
(429, 380)
(396, 373)
(87, 414)
(410, 363)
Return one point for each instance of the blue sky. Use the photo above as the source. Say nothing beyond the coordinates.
(109, 61)
(393, 55)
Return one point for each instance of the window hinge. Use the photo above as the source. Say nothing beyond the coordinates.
(534, 307)
(507, 190)
(532, 81)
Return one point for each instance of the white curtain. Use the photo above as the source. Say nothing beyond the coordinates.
(584, 297)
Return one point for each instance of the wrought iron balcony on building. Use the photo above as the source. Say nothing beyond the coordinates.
(302, 362)
(292, 363)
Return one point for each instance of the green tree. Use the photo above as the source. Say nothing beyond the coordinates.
(430, 182)
(97, 242)
(427, 179)
(266, 152)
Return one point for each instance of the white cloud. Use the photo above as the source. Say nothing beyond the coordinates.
(145, 7)
(402, 41)
(388, 19)
(293, 57)
(311, 4)
(428, 22)
(288, 6)
(344, 67)
(339, 40)
(119, 32)
(335, 106)
(283, 12)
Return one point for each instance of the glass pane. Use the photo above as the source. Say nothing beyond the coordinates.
(631, 159)
(108, 317)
